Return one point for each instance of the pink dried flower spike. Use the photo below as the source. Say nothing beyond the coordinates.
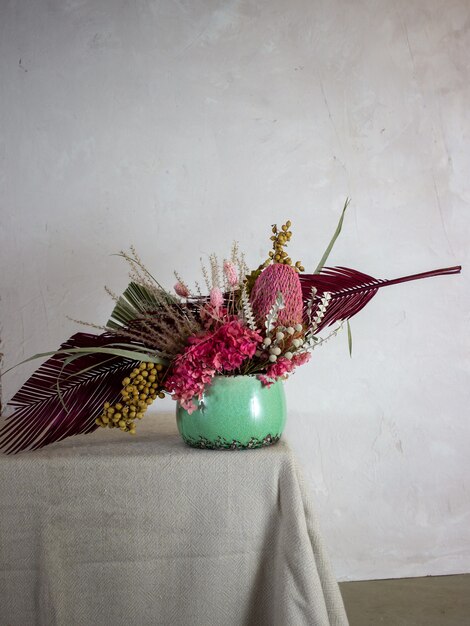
(231, 273)
(217, 299)
(181, 290)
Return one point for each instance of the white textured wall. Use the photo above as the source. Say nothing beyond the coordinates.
(182, 125)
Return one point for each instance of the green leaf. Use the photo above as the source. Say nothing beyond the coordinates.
(126, 354)
(136, 348)
(72, 358)
(135, 301)
(67, 361)
(326, 254)
(349, 338)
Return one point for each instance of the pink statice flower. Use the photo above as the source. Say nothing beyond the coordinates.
(217, 351)
(276, 370)
(181, 290)
(282, 367)
(231, 273)
(301, 359)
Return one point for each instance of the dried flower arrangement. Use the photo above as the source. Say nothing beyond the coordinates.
(264, 323)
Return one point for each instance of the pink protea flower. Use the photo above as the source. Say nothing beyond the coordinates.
(274, 279)
(216, 297)
(181, 290)
(231, 273)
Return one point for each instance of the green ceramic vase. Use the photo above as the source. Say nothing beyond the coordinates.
(236, 413)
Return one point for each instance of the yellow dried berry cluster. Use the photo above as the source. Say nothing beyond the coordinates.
(140, 389)
(280, 239)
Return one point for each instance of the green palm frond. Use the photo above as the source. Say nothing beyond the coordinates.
(135, 301)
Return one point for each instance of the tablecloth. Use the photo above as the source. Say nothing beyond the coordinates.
(109, 530)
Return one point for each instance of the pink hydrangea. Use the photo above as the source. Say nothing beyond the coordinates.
(222, 350)
(213, 317)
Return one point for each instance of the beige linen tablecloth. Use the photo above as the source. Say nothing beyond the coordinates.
(106, 529)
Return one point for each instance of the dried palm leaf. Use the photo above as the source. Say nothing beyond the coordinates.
(137, 300)
(66, 393)
(351, 290)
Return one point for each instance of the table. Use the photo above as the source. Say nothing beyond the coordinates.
(110, 530)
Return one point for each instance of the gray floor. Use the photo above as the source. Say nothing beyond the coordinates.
(431, 601)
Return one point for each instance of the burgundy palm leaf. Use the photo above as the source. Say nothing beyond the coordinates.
(351, 290)
(85, 384)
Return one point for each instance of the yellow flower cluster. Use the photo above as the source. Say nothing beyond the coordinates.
(139, 390)
(280, 239)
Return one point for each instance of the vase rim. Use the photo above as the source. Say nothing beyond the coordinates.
(236, 376)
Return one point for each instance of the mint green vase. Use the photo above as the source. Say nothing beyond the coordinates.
(235, 412)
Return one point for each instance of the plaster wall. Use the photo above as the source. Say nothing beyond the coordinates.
(182, 125)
